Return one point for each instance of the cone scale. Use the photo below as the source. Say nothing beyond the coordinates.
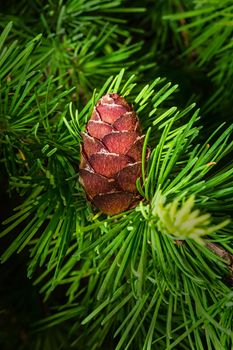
(111, 155)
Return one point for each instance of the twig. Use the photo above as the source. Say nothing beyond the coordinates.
(226, 256)
(184, 33)
(221, 252)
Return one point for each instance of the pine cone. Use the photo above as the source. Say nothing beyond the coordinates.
(111, 155)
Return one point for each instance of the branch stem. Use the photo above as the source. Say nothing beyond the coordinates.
(221, 252)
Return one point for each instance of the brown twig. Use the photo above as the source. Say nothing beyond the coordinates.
(221, 252)
(226, 256)
(184, 33)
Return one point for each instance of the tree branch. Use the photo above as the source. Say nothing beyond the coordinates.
(221, 252)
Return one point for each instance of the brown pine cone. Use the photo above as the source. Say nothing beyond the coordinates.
(111, 155)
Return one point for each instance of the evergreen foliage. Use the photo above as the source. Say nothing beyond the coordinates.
(209, 28)
(158, 276)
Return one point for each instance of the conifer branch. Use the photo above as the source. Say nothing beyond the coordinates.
(118, 279)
